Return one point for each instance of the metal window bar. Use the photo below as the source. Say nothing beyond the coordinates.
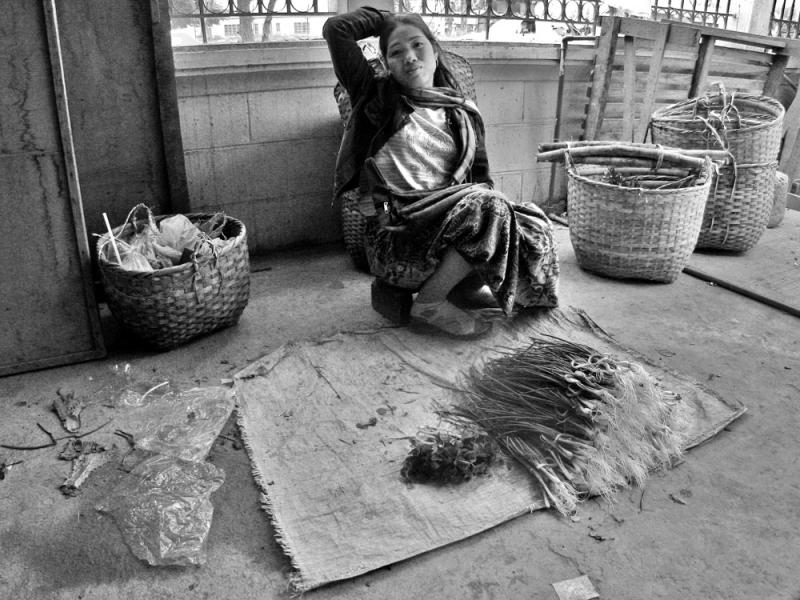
(716, 13)
(204, 10)
(581, 17)
(785, 19)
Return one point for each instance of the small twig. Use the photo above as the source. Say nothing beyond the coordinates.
(5, 467)
(641, 500)
(152, 389)
(50, 435)
(54, 440)
(235, 442)
(677, 500)
(128, 437)
(90, 432)
(12, 447)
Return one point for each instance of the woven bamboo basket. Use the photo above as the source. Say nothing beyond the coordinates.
(779, 200)
(634, 232)
(738, 207)
(354, 224)
(168, 307)
(750, 127)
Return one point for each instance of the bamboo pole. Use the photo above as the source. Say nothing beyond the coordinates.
(555, 150)
(618, 151)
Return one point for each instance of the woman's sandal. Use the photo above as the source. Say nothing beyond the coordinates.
(449, 319)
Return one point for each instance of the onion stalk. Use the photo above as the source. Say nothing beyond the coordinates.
(581, 421)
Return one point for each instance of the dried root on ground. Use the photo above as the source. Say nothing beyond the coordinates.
(448, 455)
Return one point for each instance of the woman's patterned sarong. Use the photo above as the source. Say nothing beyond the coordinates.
(510, 245)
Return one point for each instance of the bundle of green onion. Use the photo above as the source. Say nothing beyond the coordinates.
(582, 422)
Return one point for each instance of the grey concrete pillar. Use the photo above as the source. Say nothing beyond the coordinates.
(754, 16)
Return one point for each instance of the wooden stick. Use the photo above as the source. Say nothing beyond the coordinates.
(626, 151)
(656, 185)
(546, 148)
(582, 143)
(54, 440)
(649, 171)
(741, 290)
(653, 76)
(619, 162)
(112, 238)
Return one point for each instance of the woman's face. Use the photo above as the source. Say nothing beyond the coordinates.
(411, 57)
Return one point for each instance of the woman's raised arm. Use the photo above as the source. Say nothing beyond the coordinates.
(342, 33)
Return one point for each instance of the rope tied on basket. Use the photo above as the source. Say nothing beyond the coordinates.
(723, 143)
(726, 107)
(214, 257)
(734, 166)
(660, 160)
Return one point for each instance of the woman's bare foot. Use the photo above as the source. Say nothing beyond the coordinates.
(448, 318)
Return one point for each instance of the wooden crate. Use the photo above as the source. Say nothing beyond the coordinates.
(643, 65)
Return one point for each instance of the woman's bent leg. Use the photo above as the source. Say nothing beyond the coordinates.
(510, 245)
(450, 271)
(432, 307)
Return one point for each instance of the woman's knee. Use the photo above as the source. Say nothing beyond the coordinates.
(493, 202)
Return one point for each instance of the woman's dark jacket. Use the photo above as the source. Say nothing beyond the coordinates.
(379, 109)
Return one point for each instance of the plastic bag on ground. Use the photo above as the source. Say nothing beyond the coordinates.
(190, 431)
(163, 509)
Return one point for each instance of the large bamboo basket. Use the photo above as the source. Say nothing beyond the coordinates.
(637, 233)
(750, 127)
(354, 225)
(168, 307)
(738, 207)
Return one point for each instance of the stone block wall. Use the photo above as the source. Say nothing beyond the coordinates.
(261, 130)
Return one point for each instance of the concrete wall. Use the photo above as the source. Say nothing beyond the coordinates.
(116, 108)
(261, 130)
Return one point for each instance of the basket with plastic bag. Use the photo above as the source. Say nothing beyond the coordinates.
(169, 279)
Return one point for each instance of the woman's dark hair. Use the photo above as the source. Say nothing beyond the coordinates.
(442, 76)
(395, 20)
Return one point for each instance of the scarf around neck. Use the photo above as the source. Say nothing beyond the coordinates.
(463, 110)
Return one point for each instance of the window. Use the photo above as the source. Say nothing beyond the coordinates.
(541, 21)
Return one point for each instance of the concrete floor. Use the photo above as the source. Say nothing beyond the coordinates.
(734, 536)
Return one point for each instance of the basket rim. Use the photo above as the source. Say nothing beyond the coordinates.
(667, 117)
(107, 265)
(573, 173)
